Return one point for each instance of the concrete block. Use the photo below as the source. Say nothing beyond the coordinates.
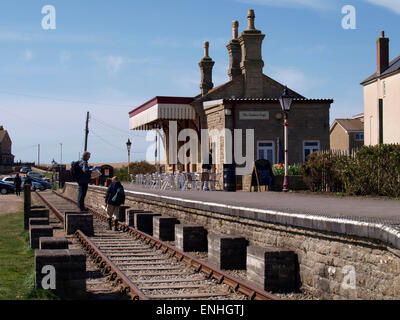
(122, 213)
(39, 221)
(36, 232)
(144, 222)
(35, 213)
(130, 216)
(47, 243)
(273, 267)
(70, 272)
(191, 238)
(164, 228)
(79, 221)
(227, 252)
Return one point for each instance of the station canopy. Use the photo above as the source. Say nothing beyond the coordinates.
(150, 114)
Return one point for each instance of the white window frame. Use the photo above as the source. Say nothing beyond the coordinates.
(304, 147)
(267, 148)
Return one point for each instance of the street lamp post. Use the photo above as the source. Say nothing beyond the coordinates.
(128, 146)
(286, 102)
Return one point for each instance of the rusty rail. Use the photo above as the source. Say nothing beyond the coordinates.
(52, 208)
(236, 284)
(108, 268)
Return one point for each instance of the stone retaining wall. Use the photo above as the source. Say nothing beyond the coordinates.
(331, 265)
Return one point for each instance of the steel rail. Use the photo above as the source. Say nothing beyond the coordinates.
(52, 208)
(107, 267)
(236, 284)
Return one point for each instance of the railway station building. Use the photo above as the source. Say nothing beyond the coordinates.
(248, 101)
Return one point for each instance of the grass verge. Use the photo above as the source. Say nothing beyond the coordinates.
(17, 276)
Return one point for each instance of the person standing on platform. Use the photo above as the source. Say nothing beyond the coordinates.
(17, 185)
(206, 173)
(115, 197)
(83, 179)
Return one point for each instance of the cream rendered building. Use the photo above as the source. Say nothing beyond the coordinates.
(382, 99)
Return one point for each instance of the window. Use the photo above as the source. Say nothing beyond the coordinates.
(359, 137)
(266, 150)
(310, 147)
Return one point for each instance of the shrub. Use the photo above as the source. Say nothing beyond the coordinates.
(373, 170)
(134, 168)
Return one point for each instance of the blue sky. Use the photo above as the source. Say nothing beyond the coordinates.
(108, 57)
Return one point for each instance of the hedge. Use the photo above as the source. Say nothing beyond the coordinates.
(373, 170)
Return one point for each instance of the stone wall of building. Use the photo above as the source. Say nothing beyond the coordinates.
(331, 265)
(339, 139)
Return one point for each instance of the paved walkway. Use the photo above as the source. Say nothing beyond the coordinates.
(369, 209)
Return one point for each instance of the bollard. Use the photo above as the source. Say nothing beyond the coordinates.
(122, 213)
(227, 252)
(38, 221)
(52, 243)
(274, 268)
(164, 228)
(36, 232)
(63, 271)
(144, 222)
(130, 216)
(35, 212)
(78, 221)
(27, 205)
(190, 238)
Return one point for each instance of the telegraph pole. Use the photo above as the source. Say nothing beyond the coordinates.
(38, 155)
(86, 131)
(61, 152)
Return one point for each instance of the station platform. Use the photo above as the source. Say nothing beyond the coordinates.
(376, 210)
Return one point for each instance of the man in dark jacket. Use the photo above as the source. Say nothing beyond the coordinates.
(17, 184)
(115, 197)
(83, 180)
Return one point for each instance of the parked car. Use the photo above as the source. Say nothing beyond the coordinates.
(25, 170)
(44, 184)
(34, 174)
(35, 185)
(6, 188)
(9, 180)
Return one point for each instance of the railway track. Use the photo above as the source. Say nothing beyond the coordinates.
(145, 268)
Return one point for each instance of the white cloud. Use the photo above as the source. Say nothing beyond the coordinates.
(393, 5)
(27, 55)
(114, 63)
(293, 78)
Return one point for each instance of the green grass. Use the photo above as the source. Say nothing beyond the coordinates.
(17, 277)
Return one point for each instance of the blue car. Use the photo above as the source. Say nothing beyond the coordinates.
(35, 185)
(6, 188)
(43, 184)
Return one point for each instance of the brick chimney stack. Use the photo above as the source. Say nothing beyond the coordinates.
(252, 63)
(235, 53)
(206, 65)
(382, 53)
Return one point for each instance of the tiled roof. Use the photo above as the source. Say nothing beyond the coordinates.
(394, 66)
(350, 124)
